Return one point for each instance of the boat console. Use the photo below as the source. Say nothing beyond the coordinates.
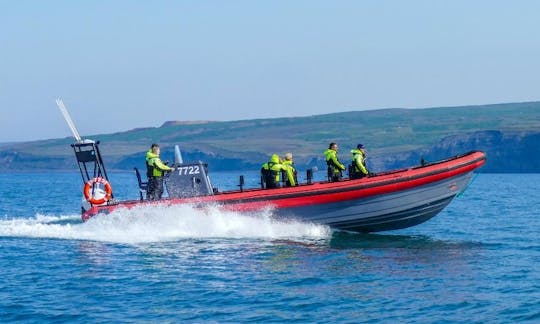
(189, 180)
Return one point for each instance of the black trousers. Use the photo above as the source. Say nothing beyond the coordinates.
(357, 175)
(334, 176)
(155, 188)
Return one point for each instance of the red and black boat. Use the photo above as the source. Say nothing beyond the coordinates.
(386, 201)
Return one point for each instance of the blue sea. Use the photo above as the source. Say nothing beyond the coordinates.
(478, 261)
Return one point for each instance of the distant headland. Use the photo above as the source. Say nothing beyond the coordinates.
(509, 133)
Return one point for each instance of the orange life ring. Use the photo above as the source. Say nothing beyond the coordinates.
(88, 191)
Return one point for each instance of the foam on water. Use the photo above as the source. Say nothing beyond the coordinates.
(162, 223)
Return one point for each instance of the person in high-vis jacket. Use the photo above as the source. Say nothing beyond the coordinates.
(358, 166)
(289, 162)
(334, 166)
(154, 171)
(271, 173)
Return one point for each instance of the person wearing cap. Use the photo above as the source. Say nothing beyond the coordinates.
(271, 173)
(358, 166)
(334, 166)
(289, 163)
(154, 171)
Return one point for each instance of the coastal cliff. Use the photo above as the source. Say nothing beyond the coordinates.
(507, 152)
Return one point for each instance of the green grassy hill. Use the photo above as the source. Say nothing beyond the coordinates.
(385, 132)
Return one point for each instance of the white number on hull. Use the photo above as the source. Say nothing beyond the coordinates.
(194, 169)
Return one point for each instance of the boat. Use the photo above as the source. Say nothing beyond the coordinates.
(381, 202)
(384, 201)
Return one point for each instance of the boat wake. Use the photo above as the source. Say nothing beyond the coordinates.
(160, 223)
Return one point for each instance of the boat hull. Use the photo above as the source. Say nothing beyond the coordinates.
(392, 211)
(389, 201)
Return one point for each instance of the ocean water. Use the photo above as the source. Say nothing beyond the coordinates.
(476, 262)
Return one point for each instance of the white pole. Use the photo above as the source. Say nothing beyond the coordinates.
(177, 155)
(68, 119)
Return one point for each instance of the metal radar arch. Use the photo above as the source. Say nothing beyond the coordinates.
(91, 166)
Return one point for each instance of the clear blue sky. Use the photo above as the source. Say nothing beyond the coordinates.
(119, 65)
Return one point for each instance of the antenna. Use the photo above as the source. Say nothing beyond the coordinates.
(68, 119)
(177, 155)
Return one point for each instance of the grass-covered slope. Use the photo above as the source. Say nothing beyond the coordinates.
(384, 132)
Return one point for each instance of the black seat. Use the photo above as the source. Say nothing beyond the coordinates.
(143, 186)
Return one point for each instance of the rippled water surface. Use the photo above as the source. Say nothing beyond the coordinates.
(477, 261)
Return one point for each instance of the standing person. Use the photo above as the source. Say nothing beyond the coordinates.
(358, 167)
(289, 163)
(154, 172)
(334, 166)
(271, 172)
